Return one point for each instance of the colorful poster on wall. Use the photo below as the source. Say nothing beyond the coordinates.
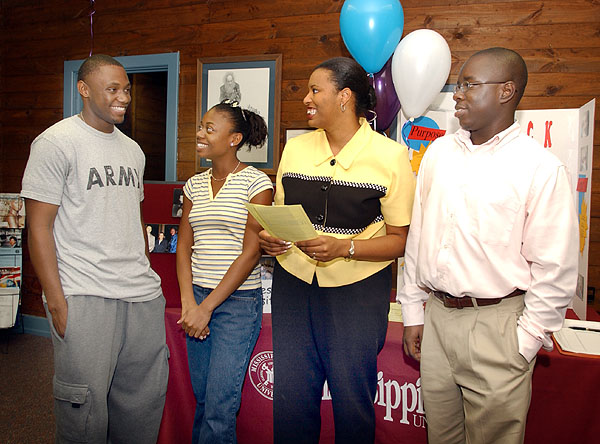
(568, 133)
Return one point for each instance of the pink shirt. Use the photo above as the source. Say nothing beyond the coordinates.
(489, 219)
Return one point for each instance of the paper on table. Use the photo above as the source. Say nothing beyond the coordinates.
(287, 222)
(579, 337)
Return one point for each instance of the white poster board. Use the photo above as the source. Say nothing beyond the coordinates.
(568, 133)
(266, 277)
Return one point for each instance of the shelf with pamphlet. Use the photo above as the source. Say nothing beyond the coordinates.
(12, 221)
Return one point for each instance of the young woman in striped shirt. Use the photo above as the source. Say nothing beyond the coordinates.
(217, 267)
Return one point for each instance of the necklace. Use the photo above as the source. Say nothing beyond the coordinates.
(81, 117)
(220, 180)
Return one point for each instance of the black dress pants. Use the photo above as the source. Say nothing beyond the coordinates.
(333, 334)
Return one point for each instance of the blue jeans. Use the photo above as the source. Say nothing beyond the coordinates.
(218, 363)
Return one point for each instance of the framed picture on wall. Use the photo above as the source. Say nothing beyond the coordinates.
(177, 209)
(255, 83)
(164, 237)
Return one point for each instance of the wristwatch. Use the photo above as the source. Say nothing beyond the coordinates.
(350, 251)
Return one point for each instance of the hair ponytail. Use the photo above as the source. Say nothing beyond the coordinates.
(347, 73)
(249, 124)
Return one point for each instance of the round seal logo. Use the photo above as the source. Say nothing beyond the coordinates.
(260, 372)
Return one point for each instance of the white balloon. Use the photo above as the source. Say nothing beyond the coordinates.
(420, 68)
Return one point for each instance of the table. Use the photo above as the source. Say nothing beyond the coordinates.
(564, 404)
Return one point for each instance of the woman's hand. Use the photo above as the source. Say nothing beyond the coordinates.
(272, 245)
(194, 321)
(324, 248)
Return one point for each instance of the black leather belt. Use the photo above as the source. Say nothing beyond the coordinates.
(454, 302)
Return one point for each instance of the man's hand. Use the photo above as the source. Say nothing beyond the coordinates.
(42, 251)
(412, 341)
(59, 318)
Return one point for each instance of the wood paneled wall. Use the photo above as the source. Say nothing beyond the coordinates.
(560, 41)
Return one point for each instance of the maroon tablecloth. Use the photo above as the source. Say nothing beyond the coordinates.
(563, 409)
(564, 406)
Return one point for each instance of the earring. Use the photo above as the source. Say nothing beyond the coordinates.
(231, 144)
(342, 107)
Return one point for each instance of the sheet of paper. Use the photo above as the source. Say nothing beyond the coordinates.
(395, 314)
(287, 222)
(579, 337)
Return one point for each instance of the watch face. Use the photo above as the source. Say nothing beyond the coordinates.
(350, 251)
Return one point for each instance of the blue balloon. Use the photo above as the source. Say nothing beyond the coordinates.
(371, 30)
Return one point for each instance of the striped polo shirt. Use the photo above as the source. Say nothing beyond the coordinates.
(352, 195)
(219, 223)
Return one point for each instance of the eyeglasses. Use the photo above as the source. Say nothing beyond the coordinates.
(465, 86)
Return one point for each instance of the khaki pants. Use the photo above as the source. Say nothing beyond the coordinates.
(476, 386)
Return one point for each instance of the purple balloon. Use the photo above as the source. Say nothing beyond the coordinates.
(388, 103)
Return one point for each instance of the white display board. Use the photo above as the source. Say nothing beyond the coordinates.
(568, 133)
(266, 277)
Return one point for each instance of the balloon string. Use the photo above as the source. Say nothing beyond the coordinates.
(408, 124)
(374, 118)
(91, 14)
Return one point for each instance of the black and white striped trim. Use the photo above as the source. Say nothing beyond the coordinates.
(346, 231)
(307, 177)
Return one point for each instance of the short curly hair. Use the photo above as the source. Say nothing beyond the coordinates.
(94, 62)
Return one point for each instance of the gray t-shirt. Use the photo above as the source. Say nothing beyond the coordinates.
(96, 179)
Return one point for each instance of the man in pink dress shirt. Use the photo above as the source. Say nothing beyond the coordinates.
(492, 247)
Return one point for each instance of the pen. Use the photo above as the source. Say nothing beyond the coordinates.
(584, 329)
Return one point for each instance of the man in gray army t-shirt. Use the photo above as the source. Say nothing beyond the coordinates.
(83, 186)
